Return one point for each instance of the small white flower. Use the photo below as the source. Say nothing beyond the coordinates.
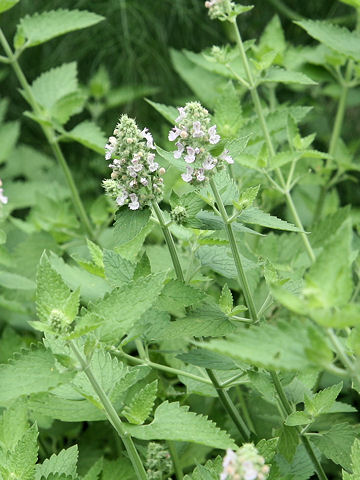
(200, 175)
(174, 133)
(144, 181)
(188, 176)
(120, 200)
(214, 138)
(148, 137)
(153, 166)
(191, 152)
(131, 170)
(197, 132)
(209, 163)
(179, 151)
(134, 204)
(3, 198)
(227, 158)
(182, 115)
(137, 166)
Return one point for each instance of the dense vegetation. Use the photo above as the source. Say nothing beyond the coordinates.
(193, 310)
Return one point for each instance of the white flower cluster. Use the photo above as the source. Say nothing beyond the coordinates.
(136, 177)
(245, 464)
(3, 199)
(219, 9)
(194, 138)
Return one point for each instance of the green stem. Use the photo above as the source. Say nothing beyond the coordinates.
(112, 415)
(169, 242)
(229, 407)
(236, 255)
(50, 136)
(259, 111)
(305, 441)
(335, 135)
(345, 360)
(176, 461)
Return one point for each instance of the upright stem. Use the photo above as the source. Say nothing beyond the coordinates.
(223, 395)
(236, 255)
(230, 407)
(259, 111)
(305, 441)
(50, 136)
(176, 461)
(169, 242)
(345, 360)
(112, 415)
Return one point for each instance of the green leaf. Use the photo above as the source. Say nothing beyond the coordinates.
(286, 350)
(51, 291)
(176, 295)
(322, 401)
(31, 371)
(118, 270)
(210, 471)
(298, 418)
(226, 300)
(288, 442)
(55, 84)
(329, 280)
(255, 216)
(141, 404)
(338, 38)
(121, 308)
(205, 359)
(20, 462)
(355, 457)
(169, 157)
(228, 113)
(9, 134)
(88, 134)
(14, 420)
(172, 422)
(15, 281)
(129, 224)
(94, 472)
(280, 75)
(168, 112)
(7, 4)
(64, 463)
(41, 27)
(336, 443)
(353, 3)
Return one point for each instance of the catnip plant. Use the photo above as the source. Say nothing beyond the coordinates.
(202, 321)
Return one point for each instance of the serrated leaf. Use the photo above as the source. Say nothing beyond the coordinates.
(41, 27)
(118, 270)
(255, 216)
(168, 112)
(288, 442)
(7, 4)
(121, 308)
(94, 472)
(355, 462)
(205, 359)
(129, 224)
(226, 300)
(141, 405)
(63, 463)
(280, 75)
(20, 462)
(176, 295)
(210, 471)
(51, 291)
(9, 134)
(88, 134)
(228, 113)
(338, 38)
(14, 420)
(55, 84)
(298, 418)
(287, 349)
(172, 422)
(30, 372)
(322, 401)
(336, 443)
(329, 280)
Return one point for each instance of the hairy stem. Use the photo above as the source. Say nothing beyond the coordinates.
(236, 254)
(305, 441)
(259, 111)
(50, 137)
(169, 242)
(112, 415)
